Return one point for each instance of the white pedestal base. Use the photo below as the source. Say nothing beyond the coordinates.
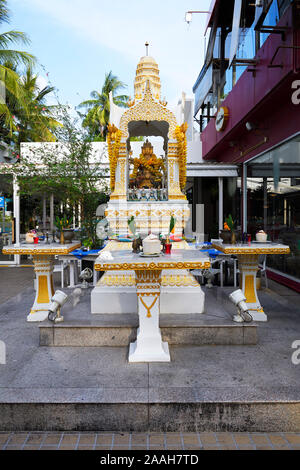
(111, 297)
(258, 316)
(43, 267)
(41, 315)
(147, 355)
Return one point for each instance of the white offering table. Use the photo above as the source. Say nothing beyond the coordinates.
(248, 258)
(43, 257)
(149, 346)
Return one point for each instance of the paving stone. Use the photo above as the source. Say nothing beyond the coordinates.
(18, 439)
(208, 447)
(14, 447)
(49, 448)
(104, 439)
(260, 439)
(69, 439)
(139, 439)
(190, 439)
(277, 440)
(242, 439)
(67, 447)
(3, 438)
(121, 439)
(85, 447)
(208, 438)
(52, 439)
(174, 439)
(87, 439)
(293, 438)
(259, 447)
(35, 438)
(121, 447)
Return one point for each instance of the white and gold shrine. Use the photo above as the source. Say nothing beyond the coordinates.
(147, 115)
(150, 189)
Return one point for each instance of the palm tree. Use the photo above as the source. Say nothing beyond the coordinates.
(36, 122)
(9, 60)
(97, 116)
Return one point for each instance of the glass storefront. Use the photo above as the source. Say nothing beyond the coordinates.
(273, 202)
(6, 216)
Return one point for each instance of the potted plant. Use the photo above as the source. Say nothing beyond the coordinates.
(64, 226)
(228, 234)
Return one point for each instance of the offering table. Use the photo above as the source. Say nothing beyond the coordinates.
(149, 346)
(43, 257)
(248, 258)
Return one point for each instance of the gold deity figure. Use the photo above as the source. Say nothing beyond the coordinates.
(148, 170)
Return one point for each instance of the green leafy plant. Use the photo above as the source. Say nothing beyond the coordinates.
(230, 223)
(63, 222)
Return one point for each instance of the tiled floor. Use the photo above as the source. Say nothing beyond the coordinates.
(144, 441)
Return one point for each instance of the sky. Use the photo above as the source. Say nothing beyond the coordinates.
(76, 42)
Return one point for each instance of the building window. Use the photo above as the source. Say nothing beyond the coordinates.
(273, 202)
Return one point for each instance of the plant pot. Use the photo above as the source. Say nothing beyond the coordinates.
(226, 236)
(69, 234)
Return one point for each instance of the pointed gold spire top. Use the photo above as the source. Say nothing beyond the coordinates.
(147, 69)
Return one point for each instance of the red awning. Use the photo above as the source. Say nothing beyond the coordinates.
(210, 15)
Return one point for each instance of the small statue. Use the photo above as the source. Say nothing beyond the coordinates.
(136, 245)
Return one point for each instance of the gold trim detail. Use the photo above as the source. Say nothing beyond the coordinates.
(241, 250)
(151, 266)
(249, 289)
(43, 293)
(148, 110)
(40, 251)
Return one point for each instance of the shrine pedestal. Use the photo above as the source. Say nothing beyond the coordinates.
(116, 293)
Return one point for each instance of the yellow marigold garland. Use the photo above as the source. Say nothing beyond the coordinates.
(180, 134)
(113, 143)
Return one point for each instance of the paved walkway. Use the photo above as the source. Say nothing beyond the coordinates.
(254, 377)
(149, 441)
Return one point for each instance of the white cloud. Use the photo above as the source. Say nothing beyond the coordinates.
(123, 26)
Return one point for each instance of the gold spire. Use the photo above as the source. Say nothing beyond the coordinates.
(147, 69)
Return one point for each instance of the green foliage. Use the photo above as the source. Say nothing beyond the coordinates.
(172, 223)
(63, 222)
(230, 222)
(69, 170)
(96, 118)
(9, 60)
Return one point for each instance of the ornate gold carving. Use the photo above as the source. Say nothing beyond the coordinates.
(128, 280)
(180, 133)
(151, 266)
(147, 294)
(39, 251)
(147, 110)
(113, 143)
(243, 250)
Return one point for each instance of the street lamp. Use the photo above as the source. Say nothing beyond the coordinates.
(188, 15)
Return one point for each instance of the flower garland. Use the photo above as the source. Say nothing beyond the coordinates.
(113, 143)
(180, 134)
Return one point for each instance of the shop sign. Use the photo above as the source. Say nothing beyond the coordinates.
(222, 118)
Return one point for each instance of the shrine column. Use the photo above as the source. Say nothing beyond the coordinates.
(120, 191)
(174, 191)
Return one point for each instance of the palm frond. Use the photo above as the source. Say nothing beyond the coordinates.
(4, 12)
(16, 57)
(13, 37)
